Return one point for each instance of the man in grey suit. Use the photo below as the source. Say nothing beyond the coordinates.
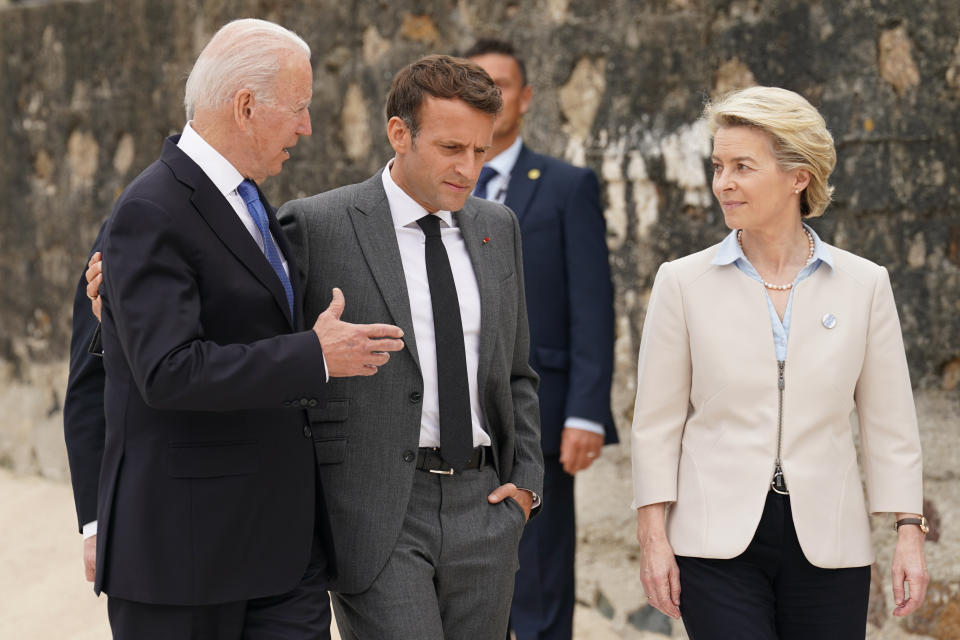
(431, 468)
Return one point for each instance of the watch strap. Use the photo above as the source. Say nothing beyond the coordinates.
(920, 522)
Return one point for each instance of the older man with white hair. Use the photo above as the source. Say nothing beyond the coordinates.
(206, 515)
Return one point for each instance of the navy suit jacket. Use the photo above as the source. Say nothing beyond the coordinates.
(207, 480)
(569, 291)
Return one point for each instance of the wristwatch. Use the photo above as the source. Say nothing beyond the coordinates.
(920, 522)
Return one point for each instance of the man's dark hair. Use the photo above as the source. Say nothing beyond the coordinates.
(485, 46)
(442, 77)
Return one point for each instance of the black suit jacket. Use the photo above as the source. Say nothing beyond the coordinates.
(206, 491)
(569, 291)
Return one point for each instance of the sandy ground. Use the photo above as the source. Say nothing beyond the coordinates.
(43, 595)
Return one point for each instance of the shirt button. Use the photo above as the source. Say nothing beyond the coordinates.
(307, 432)
(408, 456)
(415, 397)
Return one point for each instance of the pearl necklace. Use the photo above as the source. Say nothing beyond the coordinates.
(781, 287)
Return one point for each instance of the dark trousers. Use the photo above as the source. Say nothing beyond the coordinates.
(302, 614)
(543, 599)
(771, 591)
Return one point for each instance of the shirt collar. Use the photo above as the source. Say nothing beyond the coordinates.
(404, 210)
(224, 175)
(504, 161)
(730, 251)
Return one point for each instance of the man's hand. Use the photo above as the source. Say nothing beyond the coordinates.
(90, 557)
(909, 569)
(509, 490)
(354, 349)
(94, 279)
(579, 448)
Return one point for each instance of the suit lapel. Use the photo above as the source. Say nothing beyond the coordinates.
(277, 231)
(474, 229)
(223, 220)
(373, 225)
(524, 180)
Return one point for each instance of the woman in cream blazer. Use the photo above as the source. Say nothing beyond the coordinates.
(754, 355)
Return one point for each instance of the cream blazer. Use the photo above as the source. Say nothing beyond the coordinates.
(704, 434)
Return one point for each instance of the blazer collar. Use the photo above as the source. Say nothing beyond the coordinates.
(223, 220)
(375, 233)
(476, 235)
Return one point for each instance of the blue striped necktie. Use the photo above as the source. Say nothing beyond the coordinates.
(248, 191)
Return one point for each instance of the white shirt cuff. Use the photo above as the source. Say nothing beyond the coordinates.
(89, 529)
(584, 425)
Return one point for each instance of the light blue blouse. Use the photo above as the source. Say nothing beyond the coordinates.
(730, 252)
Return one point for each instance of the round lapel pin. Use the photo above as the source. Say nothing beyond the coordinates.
(533, 174)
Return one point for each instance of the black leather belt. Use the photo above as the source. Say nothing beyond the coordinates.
(429, 459)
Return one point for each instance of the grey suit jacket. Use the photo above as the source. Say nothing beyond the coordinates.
(368, 433)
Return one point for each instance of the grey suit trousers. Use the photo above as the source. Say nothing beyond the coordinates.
(451, 574)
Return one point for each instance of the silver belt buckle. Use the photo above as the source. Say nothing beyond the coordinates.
(448, 472)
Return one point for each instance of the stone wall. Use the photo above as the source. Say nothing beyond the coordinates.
(90, 88)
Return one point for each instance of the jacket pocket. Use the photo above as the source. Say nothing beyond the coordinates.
(334, 411)
(212, 459)
(550, 358)
(330, 450)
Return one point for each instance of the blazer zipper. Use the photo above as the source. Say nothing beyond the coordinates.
(779, 483)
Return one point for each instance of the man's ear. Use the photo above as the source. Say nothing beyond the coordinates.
(244, 104)
(398, 133)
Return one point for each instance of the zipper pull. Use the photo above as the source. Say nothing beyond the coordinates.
(779, 483)
(780, 382)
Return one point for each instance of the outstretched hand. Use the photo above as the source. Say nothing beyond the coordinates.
(354, 349)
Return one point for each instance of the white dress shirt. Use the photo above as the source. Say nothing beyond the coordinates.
(503, 163)
(412, 241)
(226, 179)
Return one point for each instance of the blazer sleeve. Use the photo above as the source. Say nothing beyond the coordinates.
(152, 303)
(84, 425)
(590, 294)
(663, 393)
(528, 462)
(889, 437)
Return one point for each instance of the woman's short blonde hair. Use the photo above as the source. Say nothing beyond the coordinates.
(798, 131)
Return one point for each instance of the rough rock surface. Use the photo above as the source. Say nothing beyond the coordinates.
(90, 88)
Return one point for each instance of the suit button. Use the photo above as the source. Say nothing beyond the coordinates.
(312, 402)
(416, 397)
(409, 456)
(307, 432)
(304, 402)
